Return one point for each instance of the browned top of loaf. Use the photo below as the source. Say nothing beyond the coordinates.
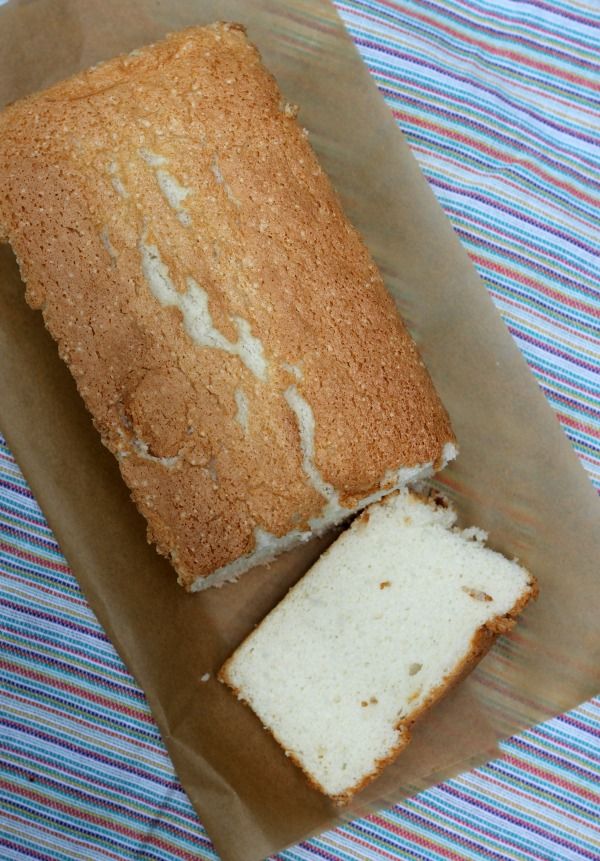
(186, 147)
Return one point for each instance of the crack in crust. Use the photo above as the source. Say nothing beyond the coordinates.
(99, 175)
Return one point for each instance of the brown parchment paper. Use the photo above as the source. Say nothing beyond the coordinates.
(516, 475)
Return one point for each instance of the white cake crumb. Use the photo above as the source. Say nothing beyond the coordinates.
(379, 628)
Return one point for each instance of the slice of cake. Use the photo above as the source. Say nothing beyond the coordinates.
(398, 609)
(225, 324)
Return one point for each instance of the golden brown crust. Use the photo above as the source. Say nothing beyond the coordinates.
(254, 221)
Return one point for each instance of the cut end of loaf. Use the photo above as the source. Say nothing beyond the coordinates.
(268, 547)
(398, 609)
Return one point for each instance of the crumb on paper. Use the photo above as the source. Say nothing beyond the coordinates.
(205, 677)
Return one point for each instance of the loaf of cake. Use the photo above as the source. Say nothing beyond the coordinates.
(398, 609)
(225, 324)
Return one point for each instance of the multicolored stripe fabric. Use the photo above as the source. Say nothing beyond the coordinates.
(500, 102)
(84, 775)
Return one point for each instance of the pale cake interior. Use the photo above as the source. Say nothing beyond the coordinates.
(379, 626)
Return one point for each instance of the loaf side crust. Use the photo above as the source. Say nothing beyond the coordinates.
(225, 324)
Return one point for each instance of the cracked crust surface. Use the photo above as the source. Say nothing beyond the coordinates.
(188, 254)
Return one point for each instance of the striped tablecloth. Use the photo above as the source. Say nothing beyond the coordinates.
(500, 101)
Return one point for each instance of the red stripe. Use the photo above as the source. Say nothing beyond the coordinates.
(532, 827)
(26, 824)
(534, 283)
(32, 557)
(88, 722)
(413, 837)
(77, 691)
(513, 20)
(489, 833)
(542, 314)
(444, 131)
(572, 721)
(360, 841)
(51, 784)
(389, 74)
(61, 593)
(37, 522)
(506, 207)
(490, 47)
(507, 785)
(93, 819)
(543, 774)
